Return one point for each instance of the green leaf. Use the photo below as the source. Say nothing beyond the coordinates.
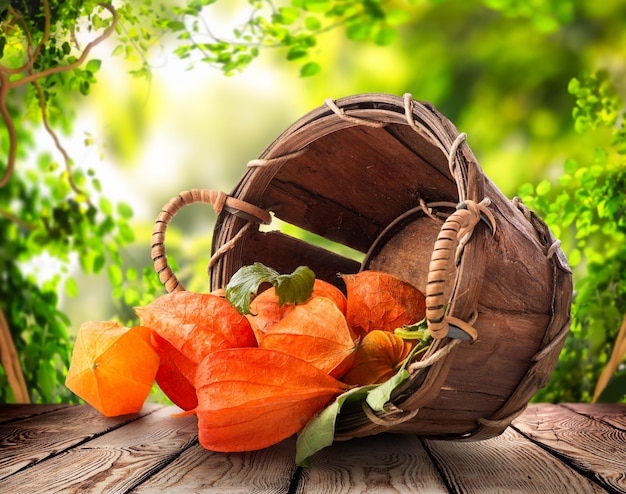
(176, 26)
(312, 23)
(319, 432)
(46, 378)
(93, 65)
(98, 263)
(525, 190)
(296, 52)
(360, 31)
(378, 397)
(309, 69)
(295, 287)
(115, 275)
(105, 206)
(71, 288)
(290, 288)
(418, 331)
(287, 15)
(124, 210)
(395, 17)
(313, 5)
(543, 187)
(385, 36)
(126, 233)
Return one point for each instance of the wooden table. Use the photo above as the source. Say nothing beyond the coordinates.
(570, 448)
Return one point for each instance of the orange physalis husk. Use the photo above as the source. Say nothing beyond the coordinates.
(195, 325)
(251, 398)
(265, 310)
(176, 374)
(322, 288)
(378, 358)
(315, 331)
(112, 367)
(378, 300)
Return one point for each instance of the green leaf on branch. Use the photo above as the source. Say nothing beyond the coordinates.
(290, 288)
(93, 65)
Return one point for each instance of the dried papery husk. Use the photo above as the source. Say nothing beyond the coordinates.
(378, 358)
(176, 374)
(194, 325)
(197, 323)
(378, 300)
(316, 332)
(113, 367)
(252, 398)
(266, 311)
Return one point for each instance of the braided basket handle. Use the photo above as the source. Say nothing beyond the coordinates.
(219, 200)
(457, 229)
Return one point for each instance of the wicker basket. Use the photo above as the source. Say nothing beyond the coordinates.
(392, 178)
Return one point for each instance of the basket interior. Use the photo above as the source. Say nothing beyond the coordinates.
(348, 184)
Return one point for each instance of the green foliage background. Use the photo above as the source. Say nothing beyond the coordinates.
(537, 85)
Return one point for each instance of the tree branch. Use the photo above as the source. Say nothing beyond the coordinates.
(15, 219)
(11, 363)
(10, 130)
(33, 78)
(78, 62)
(55, 138)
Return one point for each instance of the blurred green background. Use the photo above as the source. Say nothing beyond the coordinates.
(187, 93)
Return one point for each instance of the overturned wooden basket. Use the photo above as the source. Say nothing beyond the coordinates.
(394, 179)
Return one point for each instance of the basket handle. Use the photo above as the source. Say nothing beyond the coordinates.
(457, 228)
(219, 200)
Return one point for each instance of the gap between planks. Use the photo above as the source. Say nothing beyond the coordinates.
(564, 431)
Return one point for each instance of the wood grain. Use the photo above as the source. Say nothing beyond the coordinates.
(19, 411)
(506, 464)
(612, 413)
(31, 440)
(386, 463)
(112, 462)
(576, 448)
(591, 447)
(199, 470)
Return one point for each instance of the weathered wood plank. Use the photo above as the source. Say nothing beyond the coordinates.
(611, 413)
(74, 449)
(592, 447)
(113, 462)
(507, 463)
(29, 441)
(386, 463)
(21, 411)
(198, 470)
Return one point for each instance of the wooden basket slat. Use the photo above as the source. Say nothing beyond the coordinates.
(285, 253)
(348, 197)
